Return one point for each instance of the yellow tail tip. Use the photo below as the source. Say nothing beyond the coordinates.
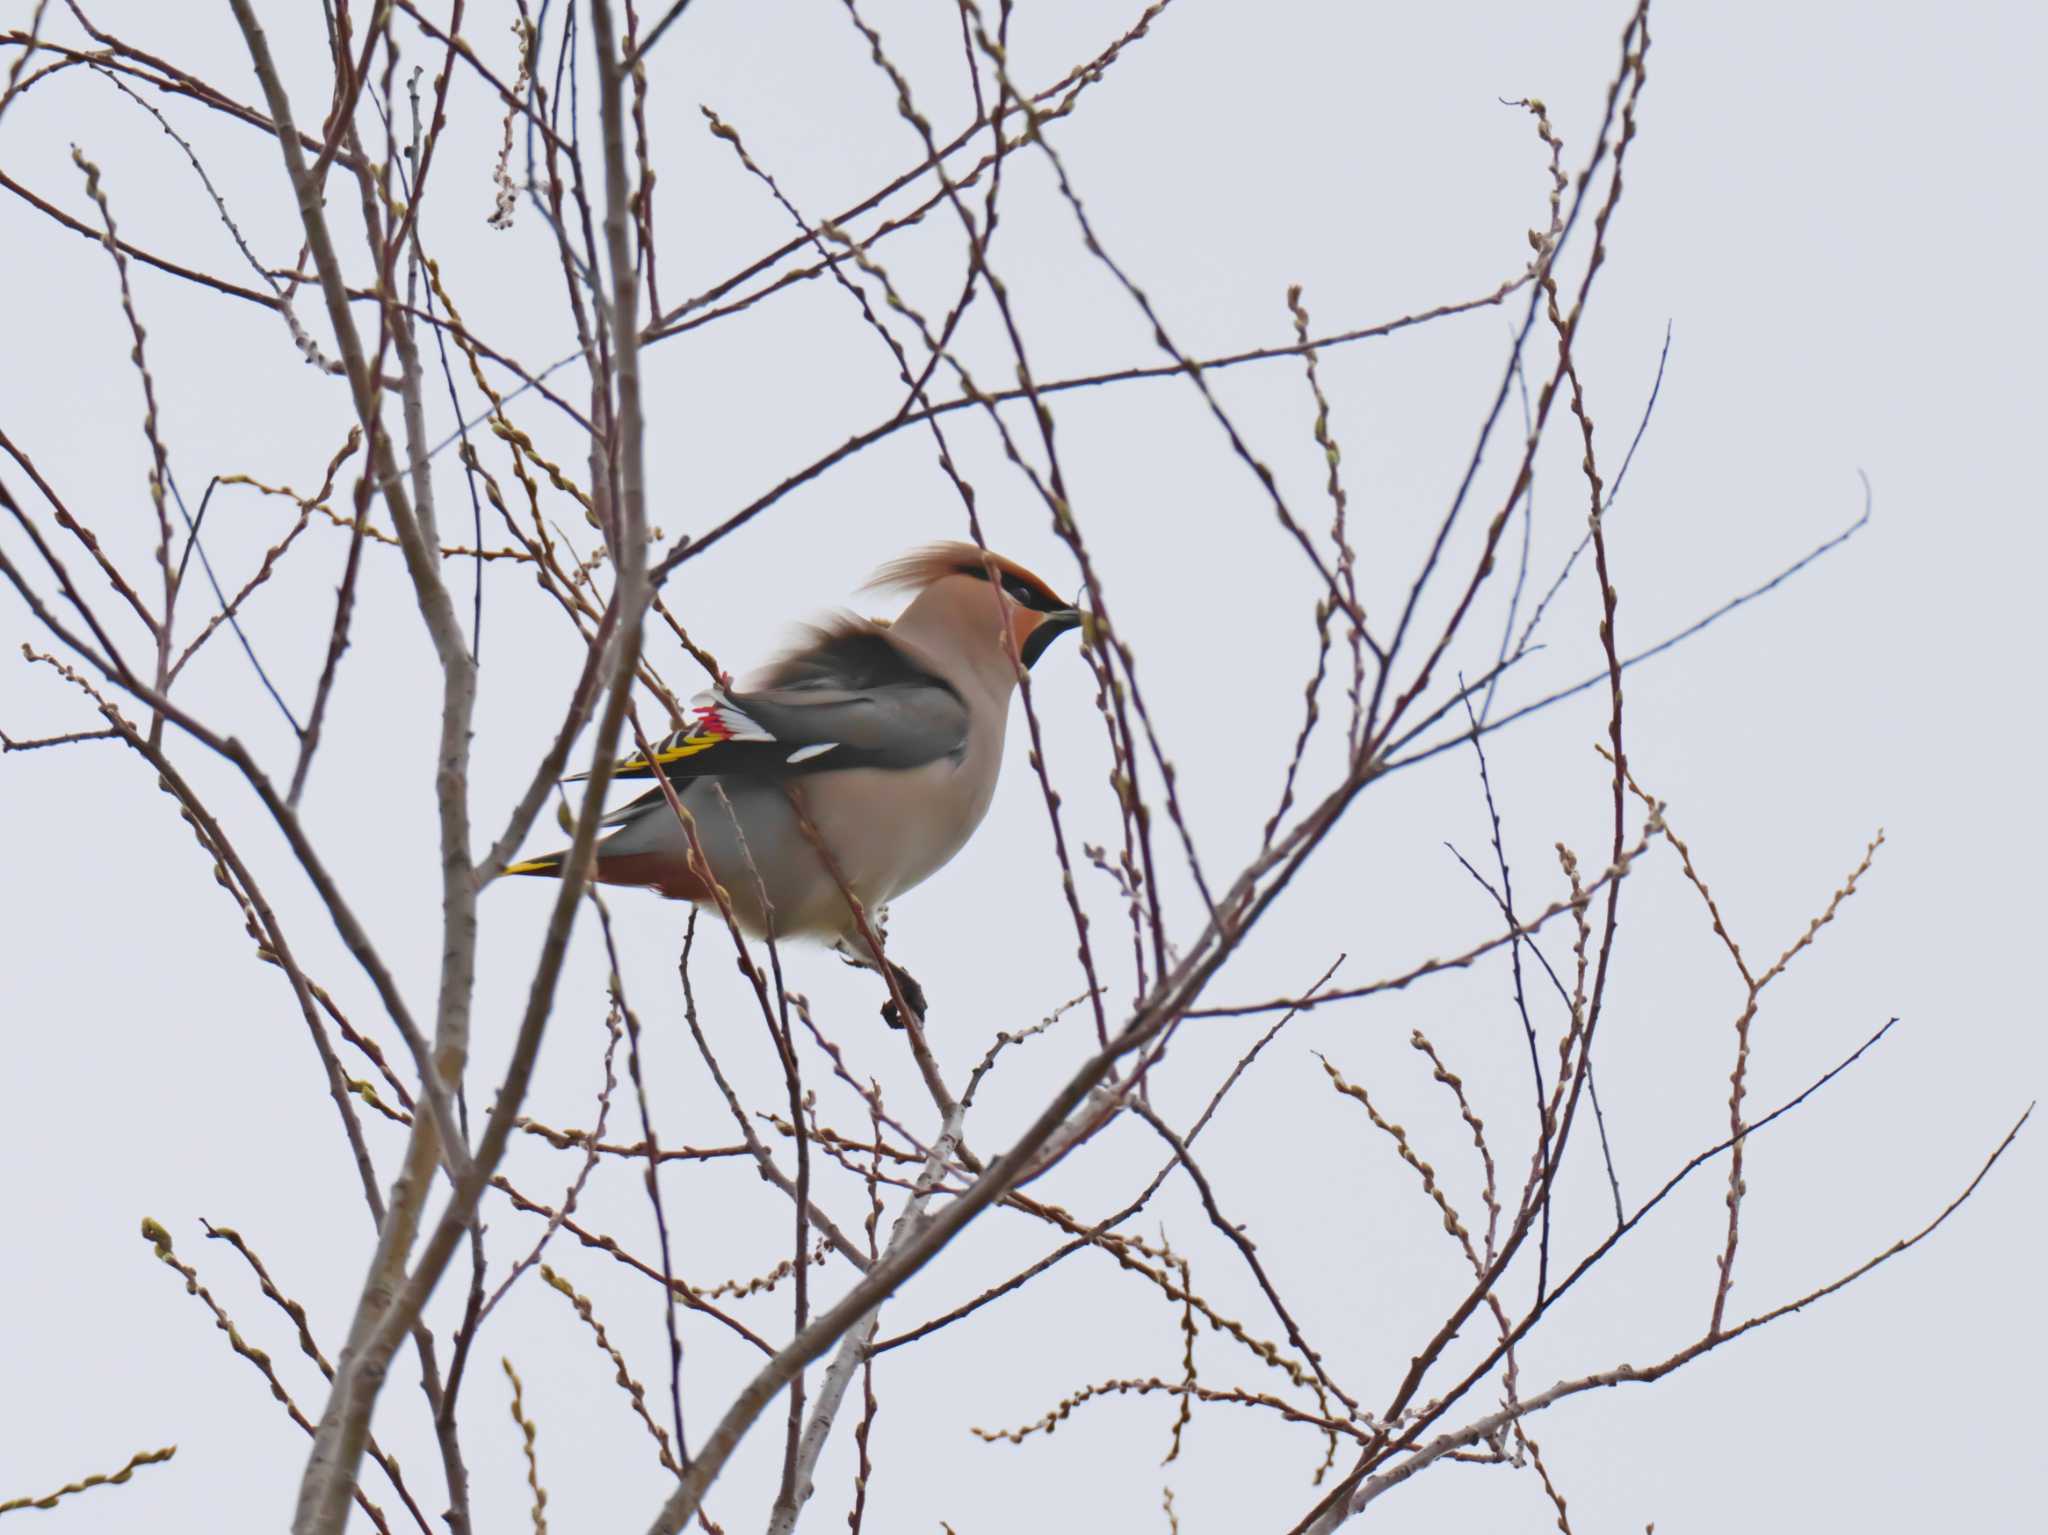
(551, 865)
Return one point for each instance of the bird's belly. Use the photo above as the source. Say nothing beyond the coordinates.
(887, 829)
(892, 830)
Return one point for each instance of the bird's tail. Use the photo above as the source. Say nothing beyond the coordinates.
(548, 863)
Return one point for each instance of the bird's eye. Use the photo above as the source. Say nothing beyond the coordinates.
(1019, 593)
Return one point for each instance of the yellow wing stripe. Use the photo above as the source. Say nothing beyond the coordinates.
(689, 746)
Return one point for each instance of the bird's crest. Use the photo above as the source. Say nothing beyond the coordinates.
(934, 562)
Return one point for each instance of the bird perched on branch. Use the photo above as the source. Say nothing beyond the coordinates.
(886, 739)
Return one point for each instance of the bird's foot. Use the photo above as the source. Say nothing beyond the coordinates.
(913, 996)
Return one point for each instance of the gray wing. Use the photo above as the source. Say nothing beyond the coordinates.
(850, 698)
(855, 698)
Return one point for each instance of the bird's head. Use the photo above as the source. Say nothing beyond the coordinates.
(962, 579)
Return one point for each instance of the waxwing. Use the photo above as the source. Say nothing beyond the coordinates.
(890, 736)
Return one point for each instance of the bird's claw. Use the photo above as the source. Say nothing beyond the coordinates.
(913, 996)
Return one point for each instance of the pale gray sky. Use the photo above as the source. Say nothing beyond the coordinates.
(1836, 209)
